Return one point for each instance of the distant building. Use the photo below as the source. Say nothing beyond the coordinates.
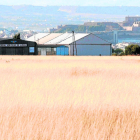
(27, 31)
(130, 20)
(7, 32)
(58, 27)
(51, 30)
(128, 28)
(136, 26)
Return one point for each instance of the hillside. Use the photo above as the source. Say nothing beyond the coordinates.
(40, 17)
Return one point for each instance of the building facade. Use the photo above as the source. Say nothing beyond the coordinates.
(79, 44)
(18, 47)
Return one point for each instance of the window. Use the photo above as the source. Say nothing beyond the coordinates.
(48, 49)
(31, 49)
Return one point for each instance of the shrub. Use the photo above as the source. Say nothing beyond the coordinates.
(122, 53)
(114, 54)
(132, 49)
(118, 50)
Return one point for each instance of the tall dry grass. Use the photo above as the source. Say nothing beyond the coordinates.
(69, 98)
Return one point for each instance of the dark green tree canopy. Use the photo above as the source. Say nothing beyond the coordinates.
(135, 49)
(132, 49)
(112, 50)
(118, 50)
(16, 36)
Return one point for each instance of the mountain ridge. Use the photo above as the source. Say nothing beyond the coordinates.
(28, 16)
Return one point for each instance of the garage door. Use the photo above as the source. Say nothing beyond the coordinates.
(12, 51)
(19, 51)
(8, 51)
(62, 50)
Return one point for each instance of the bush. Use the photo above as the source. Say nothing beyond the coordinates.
(132, 49)
(114, 54)
(118, 50)
(113, 50)
(122, 53)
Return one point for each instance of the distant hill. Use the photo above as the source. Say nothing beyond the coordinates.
(30, 17)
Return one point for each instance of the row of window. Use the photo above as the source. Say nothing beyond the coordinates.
(13, 45)
(54, 51)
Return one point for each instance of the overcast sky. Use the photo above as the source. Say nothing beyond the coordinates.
(72, 2)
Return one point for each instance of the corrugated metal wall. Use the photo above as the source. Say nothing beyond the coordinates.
(91, 45)
(62, 50)
(93, 50)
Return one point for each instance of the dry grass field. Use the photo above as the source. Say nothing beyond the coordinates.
(69, 98)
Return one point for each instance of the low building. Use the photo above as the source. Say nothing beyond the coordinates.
(136, 27)
(132, 19)
(128, 28)
(71, 44)
(17, 47)
(129, 21)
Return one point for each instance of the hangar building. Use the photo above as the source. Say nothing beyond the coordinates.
(17, 47)
(81, 44)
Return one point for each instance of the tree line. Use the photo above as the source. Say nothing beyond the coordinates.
(132, 49)
(83, 29)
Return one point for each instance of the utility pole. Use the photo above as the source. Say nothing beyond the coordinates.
(74, 43)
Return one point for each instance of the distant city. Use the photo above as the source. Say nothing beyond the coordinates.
(114, 24)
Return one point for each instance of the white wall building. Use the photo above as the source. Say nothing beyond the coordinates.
(81, 44)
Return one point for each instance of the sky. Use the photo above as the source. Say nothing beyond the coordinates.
(72, 2)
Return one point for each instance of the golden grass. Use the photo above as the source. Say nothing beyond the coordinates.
(69, 98)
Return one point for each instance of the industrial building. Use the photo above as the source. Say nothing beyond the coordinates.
(80, 44)
(17, 47)
(129, 21)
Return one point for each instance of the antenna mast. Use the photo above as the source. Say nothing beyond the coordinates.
(34, 37)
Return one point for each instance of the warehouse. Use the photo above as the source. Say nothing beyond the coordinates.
(17, 47)
(80, 44)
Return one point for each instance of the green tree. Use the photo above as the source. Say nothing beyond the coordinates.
(128, 49)
(135, 49)
(16, 36)
(118, 50)
(81, 29)
(122, 53)
(96, 28)
(132, 49)
(113, 50)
